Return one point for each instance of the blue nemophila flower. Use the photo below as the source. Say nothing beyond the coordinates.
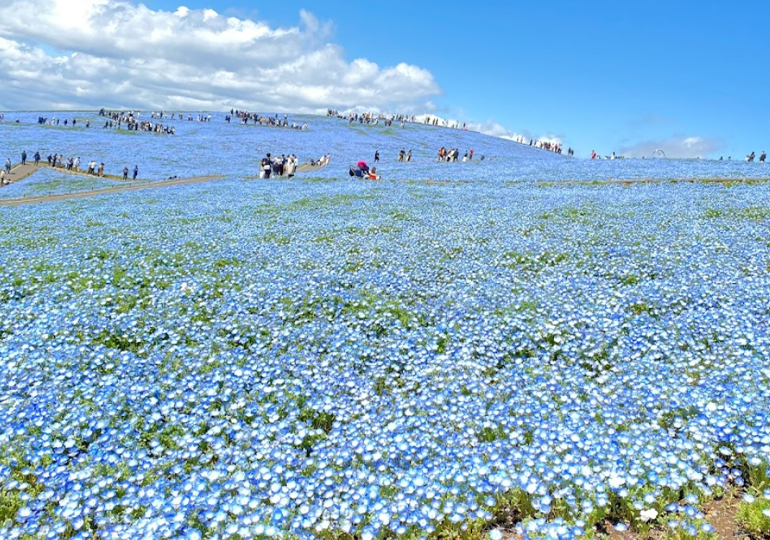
(291, 358)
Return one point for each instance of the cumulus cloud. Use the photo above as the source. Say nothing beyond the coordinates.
(117, 54)
(677, 146)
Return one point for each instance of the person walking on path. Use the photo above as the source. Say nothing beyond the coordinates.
(8, 165)
(23, 157)
(136, 171)
(125, 173)
(37, 158)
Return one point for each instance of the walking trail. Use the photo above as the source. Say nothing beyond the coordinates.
(20, 172)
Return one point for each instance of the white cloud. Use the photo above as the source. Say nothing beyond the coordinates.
(677, 146)
(496, 130)
(492, 128)
(115, 54)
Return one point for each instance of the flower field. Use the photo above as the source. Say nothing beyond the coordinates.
(464, 350)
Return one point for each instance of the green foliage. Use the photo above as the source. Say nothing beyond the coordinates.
(120, 341)
(533, 263)
(380, 386)
(630, 279)
(490, 434)
(757, 477)
(529, 436)
(638, 308)
(441, 344)
(752, 519)
(680, 534)
(322, 420)
(756, 213)
(668, 419)
(168, 436)
(714, 213)
(10, 503)
(309, 441)
(194, 521)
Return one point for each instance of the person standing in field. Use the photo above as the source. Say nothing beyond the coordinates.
(125, 172)
(23, 157)
(266, 166)
(136, 171)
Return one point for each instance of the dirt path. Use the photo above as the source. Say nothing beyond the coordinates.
(20, 172)
(104, 191)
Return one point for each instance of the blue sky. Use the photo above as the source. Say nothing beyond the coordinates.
(599, 73)
(688, 77)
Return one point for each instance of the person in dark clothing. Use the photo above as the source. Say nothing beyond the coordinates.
(23, 157)
(136, 171)
(125, 173)
(266, 166)
(37, 158)
(762, 157)
(377, 156)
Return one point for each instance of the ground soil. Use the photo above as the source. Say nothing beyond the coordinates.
(20, 172)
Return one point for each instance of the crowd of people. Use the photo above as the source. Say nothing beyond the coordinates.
(55, 121)
(555, 147)
(278, 166)
(594, 155)
(372, 118)
(376, 118)
(73, 164)
(276, 121)
(453, 154)
(132, 122)
(286, 165)
(58, 161)
(152, 128)
(323, 161)
(362, 170)
(441, 122)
